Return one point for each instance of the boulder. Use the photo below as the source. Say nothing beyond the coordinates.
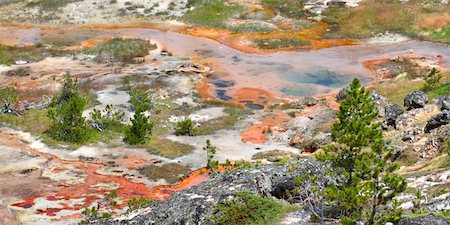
(341, 95)
(437, 121)
(443, 102)
(417, 99)
(392, 112)
(426, 220)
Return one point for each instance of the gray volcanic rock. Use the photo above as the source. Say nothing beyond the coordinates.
(426, 220)
(392, 112)
(443, 102)
(194, 205)
(437, 121)
(341, 95)
(417, 99)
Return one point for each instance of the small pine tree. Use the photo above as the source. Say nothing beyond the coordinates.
(68, 123)
(432, 80)
(68, 90)
(141, 126)
(360, 156)
(210, 152)
(185, 127)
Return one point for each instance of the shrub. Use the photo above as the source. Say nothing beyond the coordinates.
(247, 209)
(185, 127)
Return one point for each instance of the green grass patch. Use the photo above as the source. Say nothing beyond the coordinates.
(171, 172)
(288, 8)
(234, 114)
(50, 5)
(215, 13)
(438, 190)
(286, 42)
(8, 2)
(375, 16)
(123, 50)
(441, 35)
(168, 148)
(439, 91)
(251, 28)
(396, 91)
(33, 121)
(248, 209)
(9, 54)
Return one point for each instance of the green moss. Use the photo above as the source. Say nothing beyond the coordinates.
(168, 148)
(249, 209)
(171, 172)
(215, 13)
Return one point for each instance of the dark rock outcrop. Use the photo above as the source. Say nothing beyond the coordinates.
(426, 220)
(392, 112)
(417, 99)
(194, 205)
(443, 102)
(437, 121)
(341, 95)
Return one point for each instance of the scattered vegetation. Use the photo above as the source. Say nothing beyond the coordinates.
(108, 118)
(121, 50)
(284, 42)
(288, 8)
(409, 18)
(137, 203)
(249, 209)
(251, 28)
(33, 121)
(211, 13)
(361, 157)
(9, 55)
(50, 5)
(168, 148)
(9, 95)
(171, 172)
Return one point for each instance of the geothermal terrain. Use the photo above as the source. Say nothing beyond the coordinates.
(261, 79)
